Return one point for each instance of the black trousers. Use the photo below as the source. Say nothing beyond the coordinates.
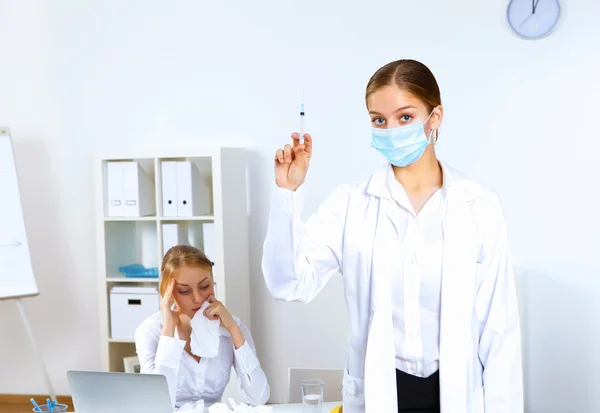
(417, 394)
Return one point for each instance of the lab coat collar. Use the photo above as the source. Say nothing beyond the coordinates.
(379, 186)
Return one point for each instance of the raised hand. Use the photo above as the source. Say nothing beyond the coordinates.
(216, 310)
(170, 316)
(291, 162)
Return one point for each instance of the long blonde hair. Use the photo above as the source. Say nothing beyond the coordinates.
(178, 257)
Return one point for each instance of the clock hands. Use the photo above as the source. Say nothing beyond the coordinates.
(525, 21)
(534, 4)
(533, 19)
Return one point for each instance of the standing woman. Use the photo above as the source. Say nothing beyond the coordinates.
(424, 256)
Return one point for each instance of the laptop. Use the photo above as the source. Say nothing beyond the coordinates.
(102, 392)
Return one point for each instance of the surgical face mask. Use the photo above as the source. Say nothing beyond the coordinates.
(403, 145)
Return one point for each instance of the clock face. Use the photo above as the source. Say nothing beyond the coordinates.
(533, 19)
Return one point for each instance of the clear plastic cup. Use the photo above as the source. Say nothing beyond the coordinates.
(312, 396)
(58, 408)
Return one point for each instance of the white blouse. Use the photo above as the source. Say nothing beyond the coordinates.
(190, 381)
(417, 288)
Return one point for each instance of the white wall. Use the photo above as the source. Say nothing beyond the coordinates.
(79, 77)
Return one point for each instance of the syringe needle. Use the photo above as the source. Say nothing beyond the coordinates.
(302, 120)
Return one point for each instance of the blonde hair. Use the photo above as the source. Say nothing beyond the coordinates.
(178, 257)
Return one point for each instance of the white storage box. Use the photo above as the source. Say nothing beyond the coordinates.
(174, 234)
(193, 193)
(129, 306)
(185, 191)
(209, 241)
(130, 190)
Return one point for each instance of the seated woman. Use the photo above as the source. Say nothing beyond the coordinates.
(163, 341)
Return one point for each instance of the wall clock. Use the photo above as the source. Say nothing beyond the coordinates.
(533, 19)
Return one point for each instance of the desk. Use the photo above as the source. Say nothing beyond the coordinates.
(297, 407)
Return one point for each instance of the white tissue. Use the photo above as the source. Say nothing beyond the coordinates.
(219, 408)
(204, 340)
(238, 408)
(190, 407)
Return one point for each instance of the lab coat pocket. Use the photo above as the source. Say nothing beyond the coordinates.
(355, 361)
(353, 394)
(477, 401)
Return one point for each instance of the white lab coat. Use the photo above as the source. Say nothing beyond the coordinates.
(353, 231)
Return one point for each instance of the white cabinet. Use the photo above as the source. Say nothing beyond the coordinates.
(217, 224)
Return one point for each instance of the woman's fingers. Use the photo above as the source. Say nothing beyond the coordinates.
(213, 314)
(284, 155)
(307, 143)
(212, 311)
(295, 139)
(287, 153)
(279, 155)
(169, 293)
(208, 308)
(299, 148)
(177, 313)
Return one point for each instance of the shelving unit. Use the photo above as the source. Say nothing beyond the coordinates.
(128, 240)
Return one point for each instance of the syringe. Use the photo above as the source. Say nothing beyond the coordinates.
(302, 120)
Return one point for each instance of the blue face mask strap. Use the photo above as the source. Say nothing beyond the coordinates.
(433, 110)
(432, 130)
(425, 121)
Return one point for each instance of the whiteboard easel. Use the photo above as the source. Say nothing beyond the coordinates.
(16, 272)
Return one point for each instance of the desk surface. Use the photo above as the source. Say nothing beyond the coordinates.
(297, 407)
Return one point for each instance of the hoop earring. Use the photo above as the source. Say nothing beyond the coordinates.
(436, 133)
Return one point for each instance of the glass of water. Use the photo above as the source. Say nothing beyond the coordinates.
(312, 396)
